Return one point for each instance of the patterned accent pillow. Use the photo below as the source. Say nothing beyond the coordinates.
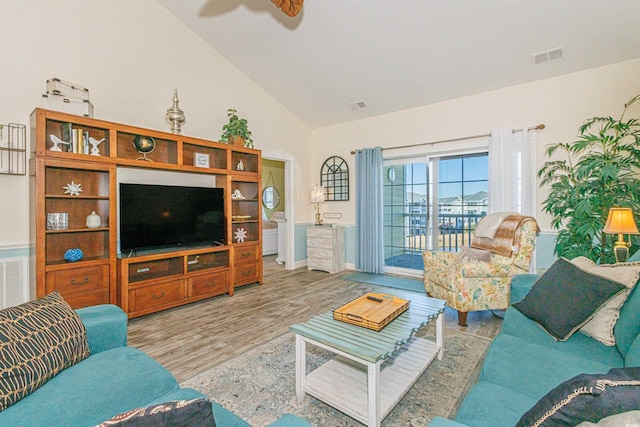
(586, 397)
(38, 340)
(192, 413)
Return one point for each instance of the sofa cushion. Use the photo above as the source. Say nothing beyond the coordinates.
(532, 369)
(195, 412)
(601, 325)
(628, 325)
(565, 297)
(491, 405)
(38, 340)
(94, 390)
(579, 345)
(587, 398)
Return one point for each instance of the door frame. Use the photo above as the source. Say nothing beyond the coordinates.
(289, 162)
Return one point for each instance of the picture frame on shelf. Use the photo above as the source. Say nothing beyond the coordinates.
(201, 160)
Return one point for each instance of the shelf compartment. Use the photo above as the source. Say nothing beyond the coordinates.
(62, 130)
(147, 270)
(207, 261)
(78, 209)
(94, 245)
(217, 156)
(250, 161)
(250, 228)
(166, 150)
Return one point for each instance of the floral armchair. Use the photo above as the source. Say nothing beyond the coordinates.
(471, 285)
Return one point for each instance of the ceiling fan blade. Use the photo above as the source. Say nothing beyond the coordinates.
(289, 7)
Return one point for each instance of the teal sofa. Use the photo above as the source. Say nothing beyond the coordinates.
(524, 362)
(115, 378)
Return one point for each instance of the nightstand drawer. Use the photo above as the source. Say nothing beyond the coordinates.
(156, 295)
(209, 284)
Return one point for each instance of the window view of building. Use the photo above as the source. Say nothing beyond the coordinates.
(414, 223)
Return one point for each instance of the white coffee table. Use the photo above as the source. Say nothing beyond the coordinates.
(372, 370)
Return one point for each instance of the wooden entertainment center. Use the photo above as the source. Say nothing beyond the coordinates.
(156, 280)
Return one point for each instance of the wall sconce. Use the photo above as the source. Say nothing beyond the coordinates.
(621, 221)
(317, 197)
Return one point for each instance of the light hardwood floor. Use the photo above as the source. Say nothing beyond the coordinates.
(190, 339)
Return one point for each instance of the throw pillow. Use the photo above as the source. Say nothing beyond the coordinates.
(38, 339)
(586, 397)
(628, 419)
(600, 327)
(196, 413)
(565, 297)
(468, 254)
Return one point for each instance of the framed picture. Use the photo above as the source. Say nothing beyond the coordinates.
(201, 160)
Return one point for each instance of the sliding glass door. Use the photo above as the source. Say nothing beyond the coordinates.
(431, 203)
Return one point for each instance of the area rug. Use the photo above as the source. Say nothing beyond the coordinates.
(259, 386)
(414, 285)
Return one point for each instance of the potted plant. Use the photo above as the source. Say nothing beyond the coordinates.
(598, 171)
(236, 132)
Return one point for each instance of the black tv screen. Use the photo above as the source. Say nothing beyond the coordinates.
(162, 216)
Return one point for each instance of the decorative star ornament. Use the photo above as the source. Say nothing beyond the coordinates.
(73, 189)
(240, 235)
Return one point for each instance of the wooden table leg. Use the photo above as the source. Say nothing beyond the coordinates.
(301, 366)
(439, 334)
(373, 393)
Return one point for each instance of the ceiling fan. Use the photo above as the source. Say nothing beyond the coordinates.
(289, 7)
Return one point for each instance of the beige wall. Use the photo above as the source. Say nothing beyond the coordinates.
(131, 55)
(561, 103)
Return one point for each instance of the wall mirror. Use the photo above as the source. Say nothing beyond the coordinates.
(334, 177)
(270, 197)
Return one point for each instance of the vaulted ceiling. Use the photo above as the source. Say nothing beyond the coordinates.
(395, 55)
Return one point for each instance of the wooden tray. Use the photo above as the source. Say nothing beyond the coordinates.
(369, 313)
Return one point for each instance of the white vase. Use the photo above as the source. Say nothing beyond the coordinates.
(93, 220)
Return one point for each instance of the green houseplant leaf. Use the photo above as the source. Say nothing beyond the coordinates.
(598, 171)
(236, 127)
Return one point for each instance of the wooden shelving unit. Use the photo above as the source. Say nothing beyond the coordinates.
(140, 284)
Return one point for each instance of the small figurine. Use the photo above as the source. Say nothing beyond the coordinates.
(240, 235)
(94, 145)
(237, 195)
(240, 166)
(73, 189)
(56, 143)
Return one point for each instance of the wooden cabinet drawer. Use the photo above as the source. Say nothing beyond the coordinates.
(80, 281)
(86, 300)
(245, 253)
(209, 284)
(139, 271)
(319, 242)
(246, 273)
(156, 295)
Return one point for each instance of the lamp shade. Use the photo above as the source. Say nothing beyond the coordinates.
(621, 221)
(317, 194)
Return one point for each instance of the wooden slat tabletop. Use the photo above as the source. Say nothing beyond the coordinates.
(365, 343)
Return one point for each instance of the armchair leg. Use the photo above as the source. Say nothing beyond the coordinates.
(462, 318)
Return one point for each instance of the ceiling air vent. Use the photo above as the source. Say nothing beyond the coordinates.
(358, 105)
(548, 55)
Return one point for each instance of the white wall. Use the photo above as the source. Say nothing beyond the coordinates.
(561, 103)
(131, 55)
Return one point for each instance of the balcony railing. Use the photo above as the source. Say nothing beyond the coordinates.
(456, 230)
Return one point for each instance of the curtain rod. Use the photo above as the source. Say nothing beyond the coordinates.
(538, 127)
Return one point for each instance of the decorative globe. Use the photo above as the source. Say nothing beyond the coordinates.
(73, 255)
(144, 144)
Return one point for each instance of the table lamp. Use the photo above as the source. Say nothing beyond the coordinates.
(621, 221)
(317, 197)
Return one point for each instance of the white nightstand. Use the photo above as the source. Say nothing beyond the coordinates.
(325, 248)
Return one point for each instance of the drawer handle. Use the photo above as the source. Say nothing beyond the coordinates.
(210, 284)
(86, 280)
(143, 270)
(156, 296)
(245, 254)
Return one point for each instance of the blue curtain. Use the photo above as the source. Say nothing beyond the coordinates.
(369, 244)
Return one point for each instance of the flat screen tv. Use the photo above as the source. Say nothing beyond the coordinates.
(163, 216)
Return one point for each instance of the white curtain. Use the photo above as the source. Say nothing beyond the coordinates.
(512, 176)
